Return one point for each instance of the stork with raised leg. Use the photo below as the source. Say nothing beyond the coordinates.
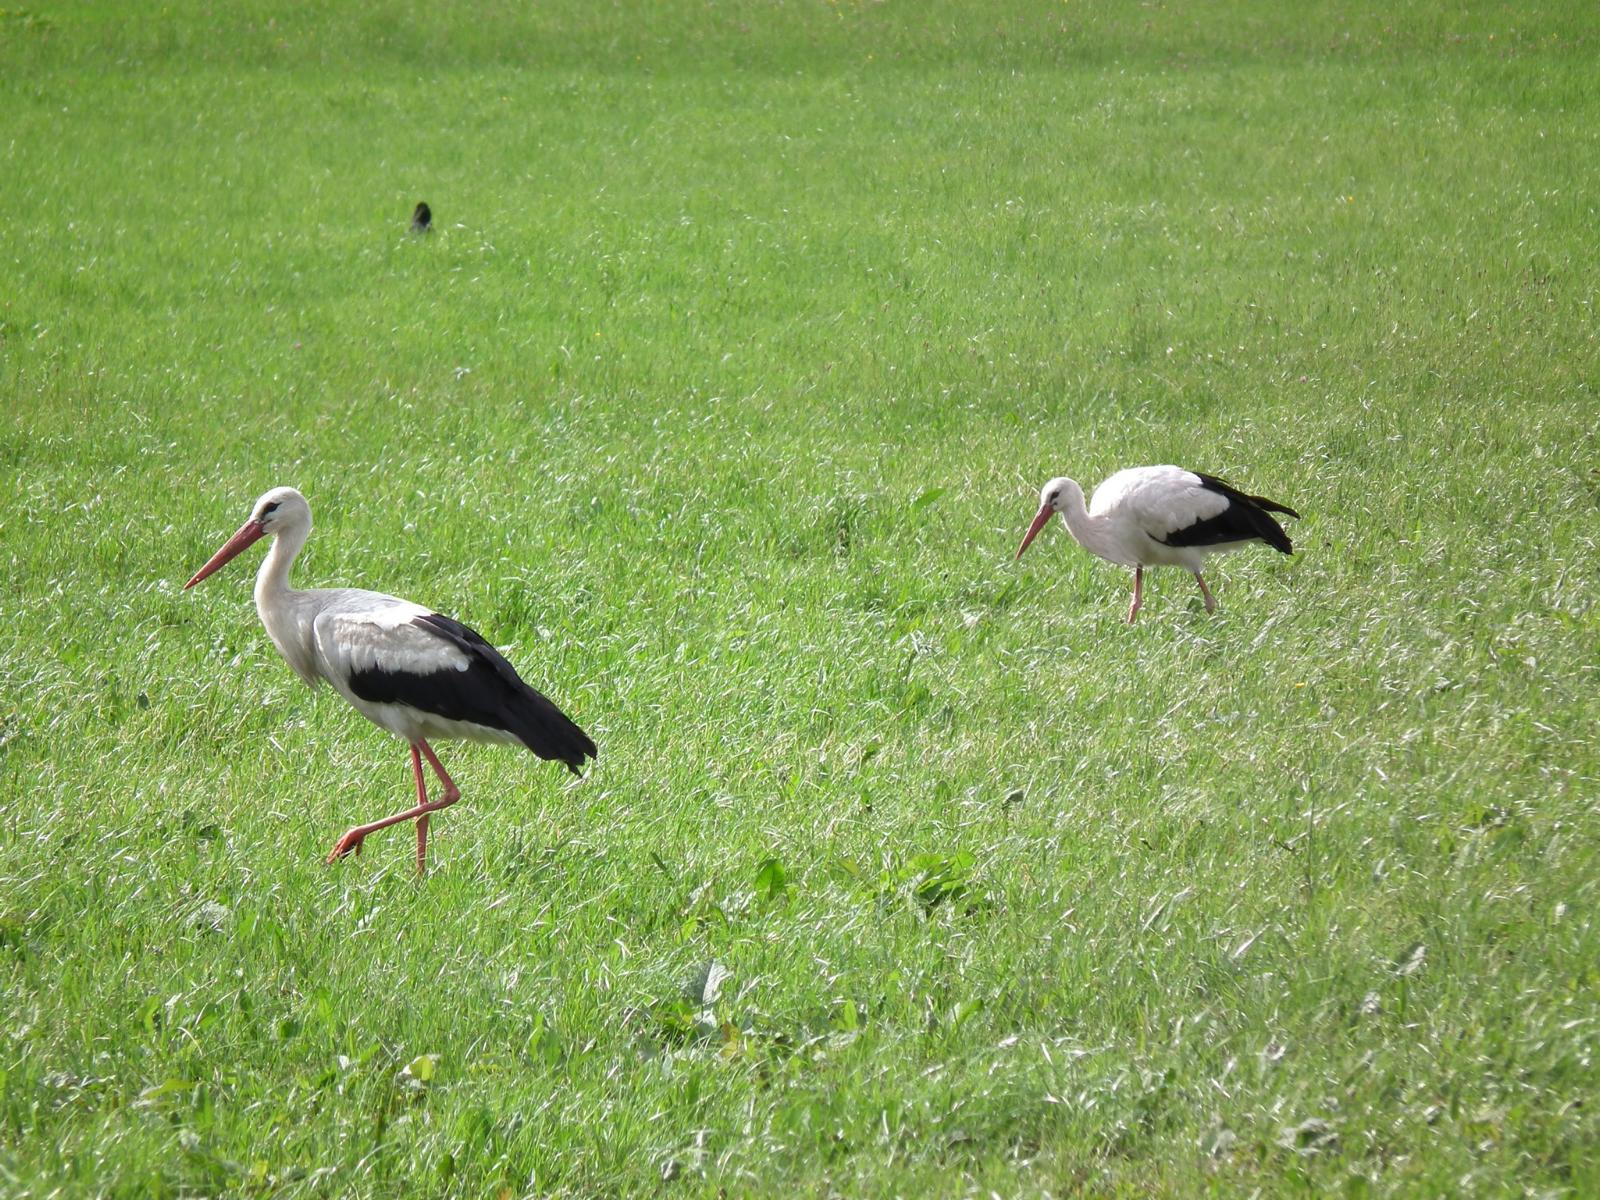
(1161, 517)
(403, 667)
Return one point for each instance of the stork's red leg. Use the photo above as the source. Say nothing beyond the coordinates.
(1138, 595)
(1211, 601)
(422, 821)
(452, 794)
(351, 841)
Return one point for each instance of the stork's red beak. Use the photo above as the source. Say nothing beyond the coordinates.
(250, 531)
(1039, 523)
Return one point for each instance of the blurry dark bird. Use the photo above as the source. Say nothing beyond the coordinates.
(422, 218)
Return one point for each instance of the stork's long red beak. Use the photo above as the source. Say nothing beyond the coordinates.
(1039, 523)
(249, 532)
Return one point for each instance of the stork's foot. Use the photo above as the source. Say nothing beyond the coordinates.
(350, 843)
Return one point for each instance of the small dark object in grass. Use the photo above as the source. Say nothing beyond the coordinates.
(422, 218)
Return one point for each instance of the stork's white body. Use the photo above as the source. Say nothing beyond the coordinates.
(329, 634)
(1133, 511)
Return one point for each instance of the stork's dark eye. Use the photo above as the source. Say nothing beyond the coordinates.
(270, 509)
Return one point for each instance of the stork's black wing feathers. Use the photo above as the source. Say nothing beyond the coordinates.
(1245, 518)
(489, 692)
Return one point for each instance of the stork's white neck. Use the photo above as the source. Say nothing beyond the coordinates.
(1089, 532)
(272, 580)
(287, 614)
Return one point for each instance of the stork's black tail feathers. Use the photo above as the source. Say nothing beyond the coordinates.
(1251, 511)
(550, 733)
(1273, 506)
(517, 708)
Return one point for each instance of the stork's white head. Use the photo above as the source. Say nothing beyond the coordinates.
(1056, 496)
(1058, 493)
(281, 511)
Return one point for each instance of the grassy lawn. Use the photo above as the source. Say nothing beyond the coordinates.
(720, 399)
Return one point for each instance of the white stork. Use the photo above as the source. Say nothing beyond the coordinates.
(405, 668)
(1160, 517)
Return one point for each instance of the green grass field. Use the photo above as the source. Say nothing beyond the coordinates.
(720, 399)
